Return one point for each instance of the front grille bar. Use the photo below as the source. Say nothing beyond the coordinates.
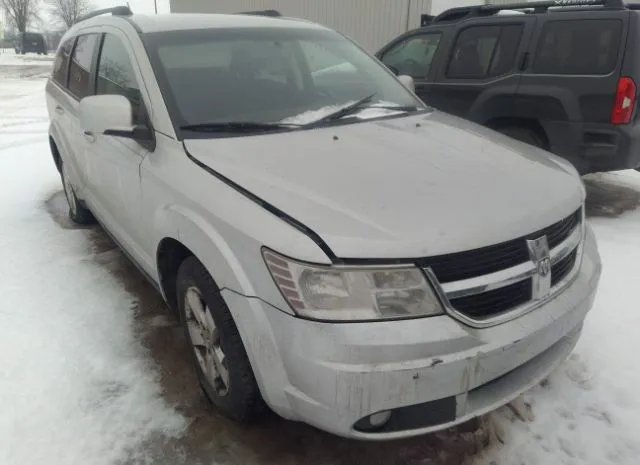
(572, 244)
(502, 278)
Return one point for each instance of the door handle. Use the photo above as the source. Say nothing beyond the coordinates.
(89, 136)
(59, 110)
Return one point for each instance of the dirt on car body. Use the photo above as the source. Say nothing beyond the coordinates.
(211, 438)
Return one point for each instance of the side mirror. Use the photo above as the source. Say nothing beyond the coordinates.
(111, 115)
(408, 82)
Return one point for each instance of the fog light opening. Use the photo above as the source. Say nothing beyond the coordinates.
(378, 420)
(373, 422)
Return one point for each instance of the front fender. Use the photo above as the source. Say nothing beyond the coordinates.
(232, 256)
(207, 244)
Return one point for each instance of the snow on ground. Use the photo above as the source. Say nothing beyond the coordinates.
(589, 413)
(76, 386)
(9, 57)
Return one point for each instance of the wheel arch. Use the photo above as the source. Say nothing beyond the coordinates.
(190, 235)
(55, 153)
(529, 124)
(185, 233)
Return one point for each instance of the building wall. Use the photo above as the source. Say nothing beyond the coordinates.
(371, 23)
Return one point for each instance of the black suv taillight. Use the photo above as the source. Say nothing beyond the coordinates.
(625, 101)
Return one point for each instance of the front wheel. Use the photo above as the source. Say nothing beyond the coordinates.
(219, 356)
(77, 212)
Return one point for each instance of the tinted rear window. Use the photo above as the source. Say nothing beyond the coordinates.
(578, 47)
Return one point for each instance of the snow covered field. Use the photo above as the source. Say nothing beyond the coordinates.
(79, 384)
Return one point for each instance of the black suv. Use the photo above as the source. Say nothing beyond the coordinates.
(561, 75)
(30, 42)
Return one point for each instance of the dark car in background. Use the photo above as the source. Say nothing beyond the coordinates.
(30, 42)
(560, 75)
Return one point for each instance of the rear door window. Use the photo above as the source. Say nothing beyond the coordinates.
(485, 51)
(80, 69)
(585, 47)
(413, 56)
(61, 63)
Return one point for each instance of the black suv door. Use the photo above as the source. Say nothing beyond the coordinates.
(479, 75)
(412, 54)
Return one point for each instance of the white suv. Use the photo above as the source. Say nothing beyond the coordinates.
(333, 247)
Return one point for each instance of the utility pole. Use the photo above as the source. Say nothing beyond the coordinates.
(408, 22)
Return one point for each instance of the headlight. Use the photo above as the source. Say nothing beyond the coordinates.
(349, 293)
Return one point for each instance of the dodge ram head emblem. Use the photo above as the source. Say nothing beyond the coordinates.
(539, 255)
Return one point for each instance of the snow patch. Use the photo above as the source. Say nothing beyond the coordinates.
(371, 111)
(76, 386)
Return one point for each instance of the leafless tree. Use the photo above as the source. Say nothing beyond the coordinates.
(68, 12)
(20, 13)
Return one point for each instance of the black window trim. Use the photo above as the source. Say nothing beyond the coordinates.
(500, 24)
(65, 85)
(92, 66)
(97, 64)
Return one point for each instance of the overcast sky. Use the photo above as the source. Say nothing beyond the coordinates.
(138, 6)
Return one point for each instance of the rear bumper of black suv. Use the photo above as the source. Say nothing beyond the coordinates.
(594, 147)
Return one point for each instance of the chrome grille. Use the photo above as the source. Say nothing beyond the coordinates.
(497, 283)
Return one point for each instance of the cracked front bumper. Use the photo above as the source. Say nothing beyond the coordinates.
(432, 373)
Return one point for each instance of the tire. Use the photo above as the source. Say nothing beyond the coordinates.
(523, 135)
(78, 213)
(214, 341)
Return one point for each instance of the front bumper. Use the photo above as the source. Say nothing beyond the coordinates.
(432, 373)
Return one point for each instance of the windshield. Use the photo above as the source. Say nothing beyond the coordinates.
(293, 76)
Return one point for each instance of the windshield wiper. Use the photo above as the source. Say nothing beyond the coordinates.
(237, 126)
(342, 112)
(405, 108)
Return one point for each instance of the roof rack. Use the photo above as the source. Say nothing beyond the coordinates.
(270, 13)
(121, 10)
(425, 20)
(456, 14)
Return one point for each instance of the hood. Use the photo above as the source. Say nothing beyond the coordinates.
(407, 187)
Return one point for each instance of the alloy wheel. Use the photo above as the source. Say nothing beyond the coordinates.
(205, 339)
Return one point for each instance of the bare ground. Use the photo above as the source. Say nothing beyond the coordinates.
(211, 438)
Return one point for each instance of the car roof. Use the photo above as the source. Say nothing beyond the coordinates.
(186, 21)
